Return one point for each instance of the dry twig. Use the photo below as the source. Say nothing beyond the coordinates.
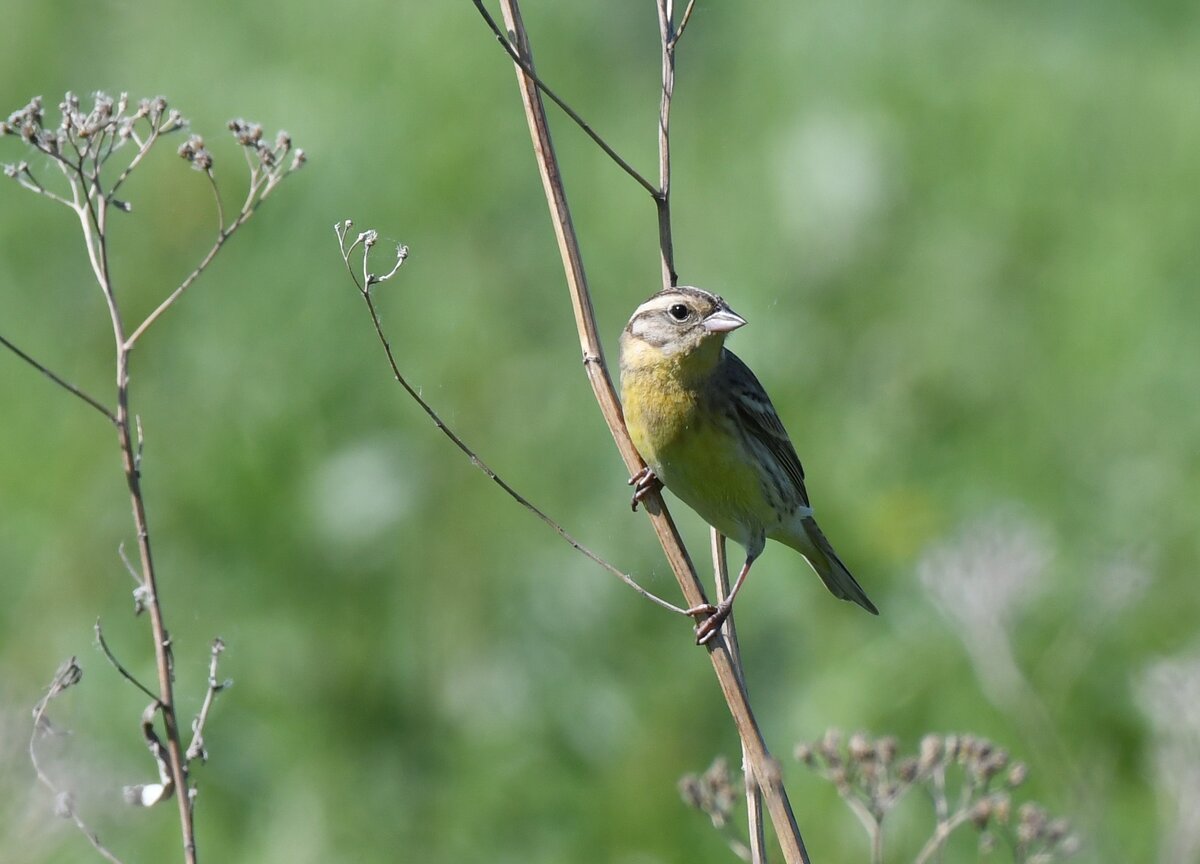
(765, 770)
(196, 749)
(81, 147)
(754, 815)
(364, 242)
(67, 676)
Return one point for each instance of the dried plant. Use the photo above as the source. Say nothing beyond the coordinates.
(360, 247)
(716, 793)
(514, 39)
(969, 780)
(90, 154)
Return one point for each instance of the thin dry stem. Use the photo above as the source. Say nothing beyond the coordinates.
(669, 38)
(92, 211)
(158, 125)
(866, 818)
(766, 770)
(117, 664)
(196, 749)
(365, 241)
(80, 147)
(754, 814)
(68, 675)
(66, 385)
(940, 835)
(683, 22)
(149, 794)
(527, 67)
(261, 185)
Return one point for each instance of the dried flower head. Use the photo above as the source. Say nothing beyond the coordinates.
(885, 748)
(713, 792)
(967, 776)
(930, 752)
(805, 753)
(193, 151)
(981, 813)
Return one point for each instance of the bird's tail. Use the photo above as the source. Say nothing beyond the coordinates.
(814, 547)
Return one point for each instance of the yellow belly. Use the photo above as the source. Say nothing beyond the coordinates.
(698, 458)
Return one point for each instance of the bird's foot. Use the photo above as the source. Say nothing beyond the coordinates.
(644, 483)
(714, 617)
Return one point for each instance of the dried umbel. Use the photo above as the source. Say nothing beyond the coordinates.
(90, 154)
(250, 136)
(85, 141)
(95, 134)
(970, 780)
(714, 792)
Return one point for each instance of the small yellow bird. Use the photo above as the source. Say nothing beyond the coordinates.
(707, 430)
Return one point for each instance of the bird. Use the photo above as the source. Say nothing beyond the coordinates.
(707, 430)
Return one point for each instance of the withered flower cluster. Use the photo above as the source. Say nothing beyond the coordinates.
(714, 792)
(970, 780)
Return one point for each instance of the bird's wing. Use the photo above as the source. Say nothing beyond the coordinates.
(758, 415)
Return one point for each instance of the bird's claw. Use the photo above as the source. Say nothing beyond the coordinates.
(714, 617)
(644, 483)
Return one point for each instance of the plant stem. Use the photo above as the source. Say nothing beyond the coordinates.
(754, 815)
(766, 770)
(93, 220)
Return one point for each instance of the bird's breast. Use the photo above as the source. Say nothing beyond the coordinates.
(686, 437)
(659, 412)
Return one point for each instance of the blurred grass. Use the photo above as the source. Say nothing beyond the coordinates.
(964, 236)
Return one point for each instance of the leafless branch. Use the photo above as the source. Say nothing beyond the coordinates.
(715, 794)
(116, 664)
(66, 385)
(24, 176)
(80, 146)
(527, 67)
(754, 815)
(268, 168)
(364, 242)
(196, 749)
(149, 794)
(67, 676)
(765, 769)
(683, 22)
(669, 38)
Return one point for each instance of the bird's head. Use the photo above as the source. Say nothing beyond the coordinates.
(678, 323)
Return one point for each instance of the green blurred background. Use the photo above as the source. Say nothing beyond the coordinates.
(965, 235)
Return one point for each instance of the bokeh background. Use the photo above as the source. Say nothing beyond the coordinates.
(965, 235)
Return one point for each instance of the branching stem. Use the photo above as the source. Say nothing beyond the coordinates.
(366, 240)
(66, 385)
(527, 68)
(757, 851)
(765, 769)
(67, 676)
(80, 147)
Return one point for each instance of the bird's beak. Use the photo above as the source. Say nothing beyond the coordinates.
(723, 321)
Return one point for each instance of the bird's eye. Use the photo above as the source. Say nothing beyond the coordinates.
(679, 312)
